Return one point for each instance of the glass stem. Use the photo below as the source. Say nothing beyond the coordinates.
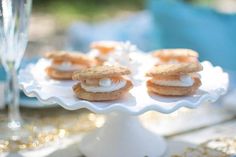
(12, 93)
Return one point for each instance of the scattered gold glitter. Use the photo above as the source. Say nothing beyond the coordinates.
(48, 125)
(220, 147)
(224, 144)
(201, 152)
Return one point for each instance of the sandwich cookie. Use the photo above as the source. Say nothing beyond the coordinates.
(102, 49)
(176, 56)
(102, 83)
(174, 79)
(63, 64)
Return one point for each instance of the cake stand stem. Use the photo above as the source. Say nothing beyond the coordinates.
(122, 135)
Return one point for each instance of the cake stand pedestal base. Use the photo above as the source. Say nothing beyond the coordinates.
(122, 136)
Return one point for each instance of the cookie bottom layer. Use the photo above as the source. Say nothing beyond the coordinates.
(58, 75)
(101, 96)
(173, 91)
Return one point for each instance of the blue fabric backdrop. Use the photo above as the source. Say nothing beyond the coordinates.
(211, 33)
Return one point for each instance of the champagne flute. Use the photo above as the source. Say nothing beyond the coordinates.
(14, 19)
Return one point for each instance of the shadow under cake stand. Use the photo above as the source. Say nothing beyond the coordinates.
(122, 135)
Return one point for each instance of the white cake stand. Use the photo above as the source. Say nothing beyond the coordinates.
(122, 135)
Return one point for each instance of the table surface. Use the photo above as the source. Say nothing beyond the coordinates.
(207, 122)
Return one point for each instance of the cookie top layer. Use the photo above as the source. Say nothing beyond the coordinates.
(101, 72)
(61, 56)
(174, 69)
(175, 53)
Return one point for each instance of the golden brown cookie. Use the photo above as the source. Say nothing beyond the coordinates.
(175, 53)
(173, 91)
(101, 96)
(58, 75)
(104, 47)
(69, 60)
(101, 72)
(74, 58)
(174, 69)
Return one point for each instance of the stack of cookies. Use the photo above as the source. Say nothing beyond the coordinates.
(63, 64)
(102, 83)
(176, 56)
(176, 73)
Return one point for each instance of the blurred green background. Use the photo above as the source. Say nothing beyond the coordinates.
(88, 10)
(66, 11)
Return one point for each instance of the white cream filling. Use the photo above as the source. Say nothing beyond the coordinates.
(184, 81)
(105, 85)
(105, 82)
(176, 61)
(66, 66)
